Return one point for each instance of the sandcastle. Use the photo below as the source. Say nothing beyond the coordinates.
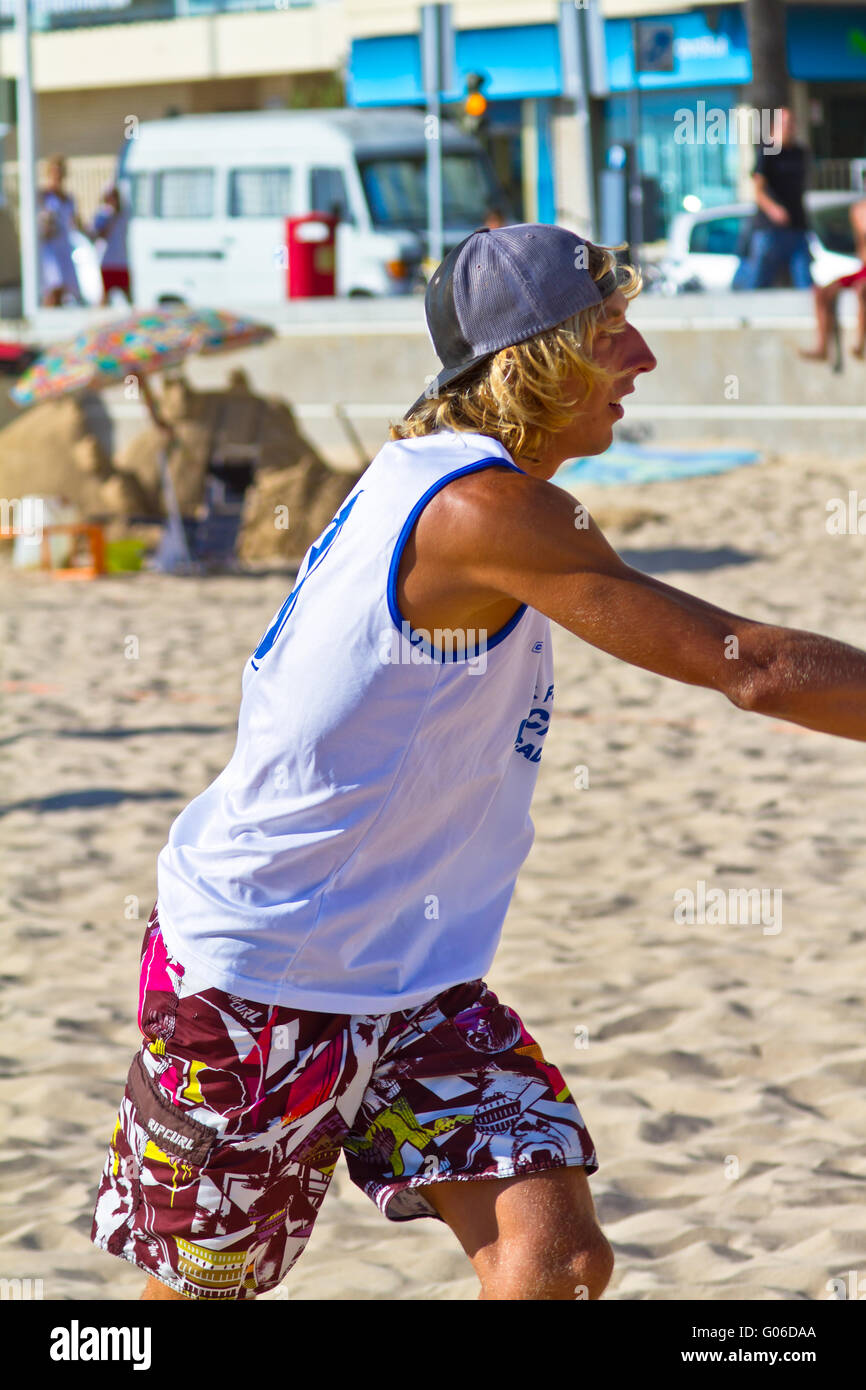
(50, 451)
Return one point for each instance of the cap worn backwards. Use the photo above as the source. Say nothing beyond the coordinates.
(502, 286)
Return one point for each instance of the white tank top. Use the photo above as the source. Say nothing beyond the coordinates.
(359, 852)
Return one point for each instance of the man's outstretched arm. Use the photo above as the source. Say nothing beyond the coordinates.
(803, 677)
(511, 534)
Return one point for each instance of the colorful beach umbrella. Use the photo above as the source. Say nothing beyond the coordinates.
(152, 340)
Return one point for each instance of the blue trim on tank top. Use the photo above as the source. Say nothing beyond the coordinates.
(396, 616)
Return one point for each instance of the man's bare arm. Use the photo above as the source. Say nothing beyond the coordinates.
(515, 535)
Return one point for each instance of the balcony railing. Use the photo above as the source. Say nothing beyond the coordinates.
(85, 14)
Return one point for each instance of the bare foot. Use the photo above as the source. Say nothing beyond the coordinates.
(812, 354)
(859, 351)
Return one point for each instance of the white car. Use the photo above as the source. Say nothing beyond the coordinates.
(704, 248)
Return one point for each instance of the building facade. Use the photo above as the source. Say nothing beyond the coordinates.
(668, 110)
(99, 63)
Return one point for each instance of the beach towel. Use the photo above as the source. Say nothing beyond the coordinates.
(635, 463)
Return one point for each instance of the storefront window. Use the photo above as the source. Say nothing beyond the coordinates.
(691, 166)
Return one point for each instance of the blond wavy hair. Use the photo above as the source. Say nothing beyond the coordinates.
(517, 395)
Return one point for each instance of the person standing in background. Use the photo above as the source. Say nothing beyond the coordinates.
(826, 296)
(109, 226)
(779, 239)
(57, 218)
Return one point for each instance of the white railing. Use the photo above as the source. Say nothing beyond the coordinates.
(842, 174)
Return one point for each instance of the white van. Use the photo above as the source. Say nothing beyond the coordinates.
(209, 198)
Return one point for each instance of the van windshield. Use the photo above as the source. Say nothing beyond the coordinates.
(396, 190)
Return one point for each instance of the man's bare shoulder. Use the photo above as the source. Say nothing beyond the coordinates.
(472, 503)
(501, 514)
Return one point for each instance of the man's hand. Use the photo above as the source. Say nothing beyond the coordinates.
(495, 535)
(768, 204)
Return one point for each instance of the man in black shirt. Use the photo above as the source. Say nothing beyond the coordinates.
(779, 226)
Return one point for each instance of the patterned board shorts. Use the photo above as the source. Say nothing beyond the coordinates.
(235, 1114)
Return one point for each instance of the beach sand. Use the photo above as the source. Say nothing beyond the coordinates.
(719, 1067)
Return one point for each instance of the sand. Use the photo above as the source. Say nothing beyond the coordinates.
(723, 1073)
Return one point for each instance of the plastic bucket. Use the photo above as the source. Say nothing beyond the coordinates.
(124, 556)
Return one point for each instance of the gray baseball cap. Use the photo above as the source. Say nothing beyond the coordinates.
(502, 286)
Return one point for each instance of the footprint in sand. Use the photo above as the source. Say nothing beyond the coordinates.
(671, 1128)
(646, 1021)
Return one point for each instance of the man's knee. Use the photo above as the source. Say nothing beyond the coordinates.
(155, 1289)
(596, 1264)
(579, 1269)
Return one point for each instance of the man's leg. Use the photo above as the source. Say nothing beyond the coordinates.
(531, 1237)
(466, 1120)
(765, 252)
(800, 261)
(154, 1288)
(222, 1207)
(744, 275)
(825, 314)
(859, 347)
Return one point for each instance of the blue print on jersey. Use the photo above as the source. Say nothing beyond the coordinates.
(532, 730)
(317, 552)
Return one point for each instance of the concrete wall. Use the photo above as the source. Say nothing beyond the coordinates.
(366, 18)
(184, 49)
(728, 372)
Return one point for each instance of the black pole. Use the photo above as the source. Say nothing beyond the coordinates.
(765, 25)
(635, 184)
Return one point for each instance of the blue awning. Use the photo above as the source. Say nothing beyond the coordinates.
(518, 61)
(827, 45)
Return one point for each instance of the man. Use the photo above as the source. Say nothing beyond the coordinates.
(826, 296)
(312, 974)
(778, 240)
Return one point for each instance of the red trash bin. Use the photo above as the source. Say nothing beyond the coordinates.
(311, 242)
